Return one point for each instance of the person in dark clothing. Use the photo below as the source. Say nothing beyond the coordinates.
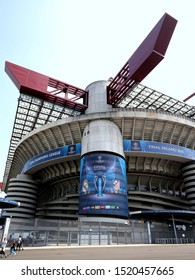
(19, 244)
(13, 248)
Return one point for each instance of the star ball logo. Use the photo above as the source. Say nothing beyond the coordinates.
(135, 146)
(71, 150)
(100, 159)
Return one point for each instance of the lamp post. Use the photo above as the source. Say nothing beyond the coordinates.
(174, 228)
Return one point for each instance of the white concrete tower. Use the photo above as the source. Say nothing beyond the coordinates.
(103, 169)
(97, 101)
(102, 136)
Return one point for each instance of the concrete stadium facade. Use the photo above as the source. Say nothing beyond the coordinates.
(156, 179)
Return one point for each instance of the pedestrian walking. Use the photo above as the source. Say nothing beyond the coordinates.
(3, 246)
(13, 248)
(19, 244)
(22, 244)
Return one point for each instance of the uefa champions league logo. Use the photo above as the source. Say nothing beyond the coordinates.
(100, 160)
(71, 150)
(135, 146)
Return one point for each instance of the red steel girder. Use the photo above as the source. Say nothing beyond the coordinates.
(190, 96)
(147, 56)
(36, 84)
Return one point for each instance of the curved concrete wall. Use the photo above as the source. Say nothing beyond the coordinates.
(97, 101)
(102, 135)
(188, 173)
(22, 189)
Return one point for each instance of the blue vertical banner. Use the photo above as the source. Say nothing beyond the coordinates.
(103, 187)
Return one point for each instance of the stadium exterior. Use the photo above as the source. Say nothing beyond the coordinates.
(115, 151)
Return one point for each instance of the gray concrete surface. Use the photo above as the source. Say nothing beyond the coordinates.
(126, 252)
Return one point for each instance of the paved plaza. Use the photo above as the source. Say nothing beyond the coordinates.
(125, 252)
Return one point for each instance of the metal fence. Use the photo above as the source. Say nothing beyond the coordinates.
(39, 232)
(174, 240)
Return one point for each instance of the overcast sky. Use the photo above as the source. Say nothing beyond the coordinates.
(81, 41)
